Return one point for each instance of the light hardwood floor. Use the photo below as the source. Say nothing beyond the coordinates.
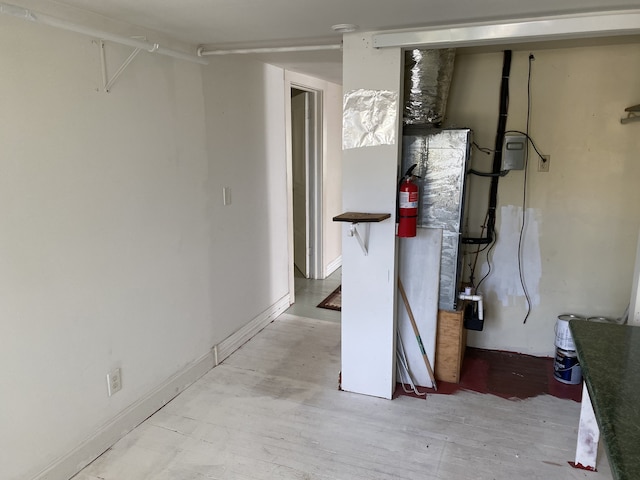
(272, 410)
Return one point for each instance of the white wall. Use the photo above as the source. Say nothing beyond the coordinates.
(104, 244)
(245, 107)
(331, 94)
(582, 232)
(369, 185)
(332, 175)
(115, 249)
(634, 304)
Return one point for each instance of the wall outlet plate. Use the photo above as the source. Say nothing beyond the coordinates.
(114, 381)
(543, 163)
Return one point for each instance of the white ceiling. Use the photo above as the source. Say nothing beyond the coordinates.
(251, 23)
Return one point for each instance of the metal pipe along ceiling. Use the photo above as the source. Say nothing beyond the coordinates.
(43, 19)
(305, 48)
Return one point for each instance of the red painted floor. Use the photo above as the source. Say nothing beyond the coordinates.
(507, 375)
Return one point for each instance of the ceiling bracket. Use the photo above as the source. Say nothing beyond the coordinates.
(106, 83)
(43, 19)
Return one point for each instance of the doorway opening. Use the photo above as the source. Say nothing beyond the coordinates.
(308, 286)
(306, 175)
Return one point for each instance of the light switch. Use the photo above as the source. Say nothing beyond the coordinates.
(226, 196)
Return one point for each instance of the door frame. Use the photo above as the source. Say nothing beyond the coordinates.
(315, 170)
(302, 257)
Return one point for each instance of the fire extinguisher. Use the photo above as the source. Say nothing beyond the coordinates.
(408, 205)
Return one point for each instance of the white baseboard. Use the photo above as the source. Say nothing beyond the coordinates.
(333, 266)
(246, 333)
(106, 436)
(70, 464)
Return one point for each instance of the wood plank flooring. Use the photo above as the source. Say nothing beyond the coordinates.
(272, 410)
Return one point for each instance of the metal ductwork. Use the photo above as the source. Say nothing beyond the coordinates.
(427, 79)
(441, 157)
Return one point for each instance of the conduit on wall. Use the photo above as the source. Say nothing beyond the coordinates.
(43, 19)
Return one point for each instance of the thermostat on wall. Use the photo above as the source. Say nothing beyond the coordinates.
(513, 151)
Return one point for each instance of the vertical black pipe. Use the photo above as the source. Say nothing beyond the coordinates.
(497, 156)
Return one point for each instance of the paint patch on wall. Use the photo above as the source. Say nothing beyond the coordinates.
(504, 280)
(369, 118)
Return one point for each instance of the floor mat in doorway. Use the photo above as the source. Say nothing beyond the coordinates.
(333, 301)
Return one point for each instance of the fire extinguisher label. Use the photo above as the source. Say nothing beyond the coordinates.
(408, 200)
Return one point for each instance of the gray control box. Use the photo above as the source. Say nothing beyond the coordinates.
(513, 151)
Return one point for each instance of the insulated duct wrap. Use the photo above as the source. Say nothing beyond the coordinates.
(427, 78)
(442, 158)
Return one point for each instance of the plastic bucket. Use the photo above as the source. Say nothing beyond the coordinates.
(566, 367)
(564, 340)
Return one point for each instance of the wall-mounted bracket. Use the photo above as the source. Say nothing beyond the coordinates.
(353, 232)
(633, 115)
(367, 218)
(106, 83)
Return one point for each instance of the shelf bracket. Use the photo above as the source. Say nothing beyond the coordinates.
(367, 219)
(633, 114)
(106, 83)
(353, 232)
(631, 117)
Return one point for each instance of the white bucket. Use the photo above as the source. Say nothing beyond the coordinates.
(566, 367)
(564, 340)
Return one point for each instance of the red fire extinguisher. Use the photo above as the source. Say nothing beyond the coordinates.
(408, 205)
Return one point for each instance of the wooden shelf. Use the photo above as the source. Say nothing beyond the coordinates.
(367, 218)
(357, 217)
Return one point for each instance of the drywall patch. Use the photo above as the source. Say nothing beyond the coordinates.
(504, 280)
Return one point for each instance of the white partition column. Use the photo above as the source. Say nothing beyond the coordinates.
(369, 186)
(634, 304)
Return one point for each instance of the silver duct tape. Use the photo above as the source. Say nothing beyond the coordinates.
(369, 118)
(427, 79)
(442, 157)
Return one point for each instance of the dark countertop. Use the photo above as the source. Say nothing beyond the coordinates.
(610, 360)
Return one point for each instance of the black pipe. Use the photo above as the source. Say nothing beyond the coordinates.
(471, 171)
(497, 155)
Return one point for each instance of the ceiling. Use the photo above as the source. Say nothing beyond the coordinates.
(256, 23)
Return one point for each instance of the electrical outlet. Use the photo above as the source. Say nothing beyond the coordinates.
(543, 163)
(114, 381)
